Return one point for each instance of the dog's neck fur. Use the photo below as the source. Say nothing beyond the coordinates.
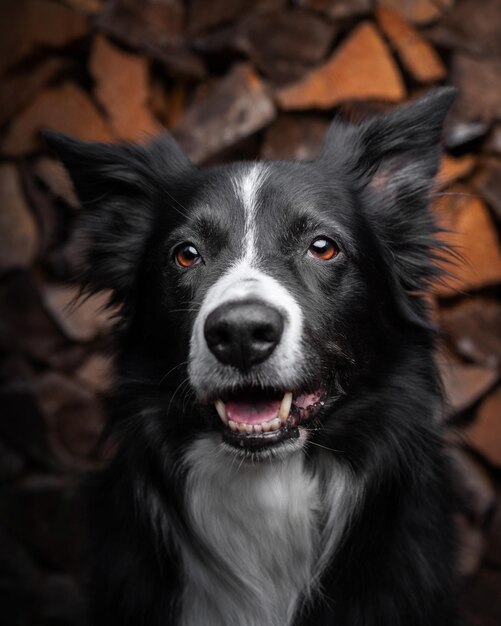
(261, 526)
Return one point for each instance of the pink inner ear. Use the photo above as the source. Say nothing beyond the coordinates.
(380, 180)
(386, 176)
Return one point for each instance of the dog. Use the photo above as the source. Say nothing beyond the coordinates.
(276, 407)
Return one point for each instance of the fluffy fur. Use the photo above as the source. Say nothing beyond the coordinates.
(348, 525)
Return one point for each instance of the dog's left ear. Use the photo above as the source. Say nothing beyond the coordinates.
(396, 152)
(392, 160)
(401, 150)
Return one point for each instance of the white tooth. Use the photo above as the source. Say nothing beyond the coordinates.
(266, 426)
(285, 407)
(242, 427)
(258, 428)
(232, 425)
(275, 424)
(221, 410)
(249, 428)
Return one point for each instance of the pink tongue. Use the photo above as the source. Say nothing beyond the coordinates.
(251, 412)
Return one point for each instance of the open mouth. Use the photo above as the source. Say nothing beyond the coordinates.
(259, 418)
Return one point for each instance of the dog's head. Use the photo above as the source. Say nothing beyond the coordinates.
(274, 284)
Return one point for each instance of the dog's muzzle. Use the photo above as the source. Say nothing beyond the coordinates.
(247, 358)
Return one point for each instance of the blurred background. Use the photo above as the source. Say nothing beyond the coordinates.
(232, 79)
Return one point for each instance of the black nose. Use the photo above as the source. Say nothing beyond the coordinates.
(243, 333)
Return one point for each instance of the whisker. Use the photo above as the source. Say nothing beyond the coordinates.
(178, 388)
(184, 212)
(171, 370)
(192, 310)
(319, 445)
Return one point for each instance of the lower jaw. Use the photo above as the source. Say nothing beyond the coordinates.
(259, 441)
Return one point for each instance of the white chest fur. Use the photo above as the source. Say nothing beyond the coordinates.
(260, 527)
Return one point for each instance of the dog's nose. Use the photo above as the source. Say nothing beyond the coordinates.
(243, 333)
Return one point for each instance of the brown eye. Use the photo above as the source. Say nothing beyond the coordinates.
(187, 255)
(323, 248)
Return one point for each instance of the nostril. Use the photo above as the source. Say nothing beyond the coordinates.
(217, 335)
(264, 334)
(222, 335)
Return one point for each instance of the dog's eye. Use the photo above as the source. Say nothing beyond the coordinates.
(186, 255)
(323, 248)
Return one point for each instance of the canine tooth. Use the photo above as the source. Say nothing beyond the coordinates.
(221, 411)
(258, 428)
(233, 426)
(242, 427)
(266, 426)
(249, 428)
(275, 424)
(285, 407)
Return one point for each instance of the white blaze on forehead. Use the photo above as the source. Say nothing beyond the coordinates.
(247, 187)
(245, 280)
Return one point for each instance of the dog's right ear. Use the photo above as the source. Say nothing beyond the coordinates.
(116, 185)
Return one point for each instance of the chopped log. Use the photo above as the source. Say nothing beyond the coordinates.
(19, 89)
(454, 168)
(477, 101)
(474, 238)
(493, 143)
(489, 184)
(465, 385)
(361, 68)
(484, 434)
(143, 23)
(419, 11)
(19, 240)
(96, 373)
(205, 15)
(473, 328)
(67, 109)
(338, 9)
(122, 88)
(56, 178)
(238, 106)
(286, 45)
(74, 417)
(27, 329)
(80, 321)
(418, 56)
(156, 28)
(33, 24)
(290, 137)
(472, 27)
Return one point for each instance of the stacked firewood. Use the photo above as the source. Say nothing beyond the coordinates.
(231, 79)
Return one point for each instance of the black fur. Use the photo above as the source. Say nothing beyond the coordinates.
(368, 337)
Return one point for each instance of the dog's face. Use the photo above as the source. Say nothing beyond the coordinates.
(273, 274)
(274, 284)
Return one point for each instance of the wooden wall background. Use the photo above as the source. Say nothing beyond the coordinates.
(231, 79)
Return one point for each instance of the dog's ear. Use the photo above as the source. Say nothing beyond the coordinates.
(396, 152)
(115, 184)
(392, 160)
(401, 150)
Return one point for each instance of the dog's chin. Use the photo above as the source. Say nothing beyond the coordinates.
(267, 421)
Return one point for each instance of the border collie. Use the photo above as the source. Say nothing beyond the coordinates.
(279, 456)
